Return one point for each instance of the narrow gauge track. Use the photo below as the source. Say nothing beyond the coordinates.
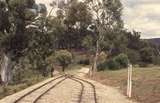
(76, 79)
(93, 88)
(81, 91)
(79, 80)
(30, 92)
(39, 97)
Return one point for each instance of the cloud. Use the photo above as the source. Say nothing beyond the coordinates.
(144, 16)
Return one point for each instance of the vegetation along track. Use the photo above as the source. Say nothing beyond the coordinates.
(19, 100)
(84, 93)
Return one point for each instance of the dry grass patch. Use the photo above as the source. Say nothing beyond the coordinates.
(146, 82)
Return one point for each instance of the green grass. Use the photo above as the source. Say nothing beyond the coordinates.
(146, 82)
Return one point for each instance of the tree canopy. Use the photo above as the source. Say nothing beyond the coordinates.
(28, 30)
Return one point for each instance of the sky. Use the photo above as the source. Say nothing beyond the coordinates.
(140, 15)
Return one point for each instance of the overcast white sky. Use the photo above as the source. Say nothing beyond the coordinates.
(142, 15)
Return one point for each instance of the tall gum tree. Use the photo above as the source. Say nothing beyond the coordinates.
(14, 18)
(106, 18)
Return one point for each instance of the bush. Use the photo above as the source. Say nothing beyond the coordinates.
(118, 62)
(133, 56)
(113, 64)
(102, 57)
(110, 64)
(64, 58)
(122, 59)
(84, 62)
(156, 60)
(102, 66)
(81, 59)
(146, 55)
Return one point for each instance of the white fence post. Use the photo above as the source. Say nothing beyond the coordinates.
(129, 82)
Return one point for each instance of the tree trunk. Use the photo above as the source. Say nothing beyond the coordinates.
(63, 68)
(6, 69)
(52, 70)
(96, 57)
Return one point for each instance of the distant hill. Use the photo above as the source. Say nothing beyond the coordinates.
(155, 41)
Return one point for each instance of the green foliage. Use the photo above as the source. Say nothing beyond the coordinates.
(79, 26)
(64, 58)
(88, 42)
(122, 60)
(114, 8)
(146, 55)
(156, 60)
(15, 41)
(112, 64)
(118, 62)
(102, 57)
(78, 12)
(71, 25)
(18, 74)
(85, 61)
(81, 58)
(102, 61)
(133, 56)
(102, 66)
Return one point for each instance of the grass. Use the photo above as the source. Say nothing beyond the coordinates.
(11, 89)
(146, 82)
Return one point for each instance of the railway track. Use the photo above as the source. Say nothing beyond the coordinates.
(86, 93)
(81, 91)
(91, 92)
(27, 97)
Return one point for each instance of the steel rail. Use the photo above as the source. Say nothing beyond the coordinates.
(30, 92)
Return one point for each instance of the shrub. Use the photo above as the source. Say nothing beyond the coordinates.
(118, 62)
(146, 55)
(102, 66)
(122, 59)
(84, 61)
(4, 89)
(156, 60)
(102, 57)
(81, 59)
(133, 56)
(18, 73)
(102, 61)
(64, 58)
(112, 64)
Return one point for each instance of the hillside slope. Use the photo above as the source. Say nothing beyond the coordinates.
(155, 41)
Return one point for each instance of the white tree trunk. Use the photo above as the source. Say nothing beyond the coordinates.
(6, 69)
(96, 57)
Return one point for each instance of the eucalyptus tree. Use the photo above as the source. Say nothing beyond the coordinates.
(15, 18)
(73, 17)
(106, 20)
(77, 20)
